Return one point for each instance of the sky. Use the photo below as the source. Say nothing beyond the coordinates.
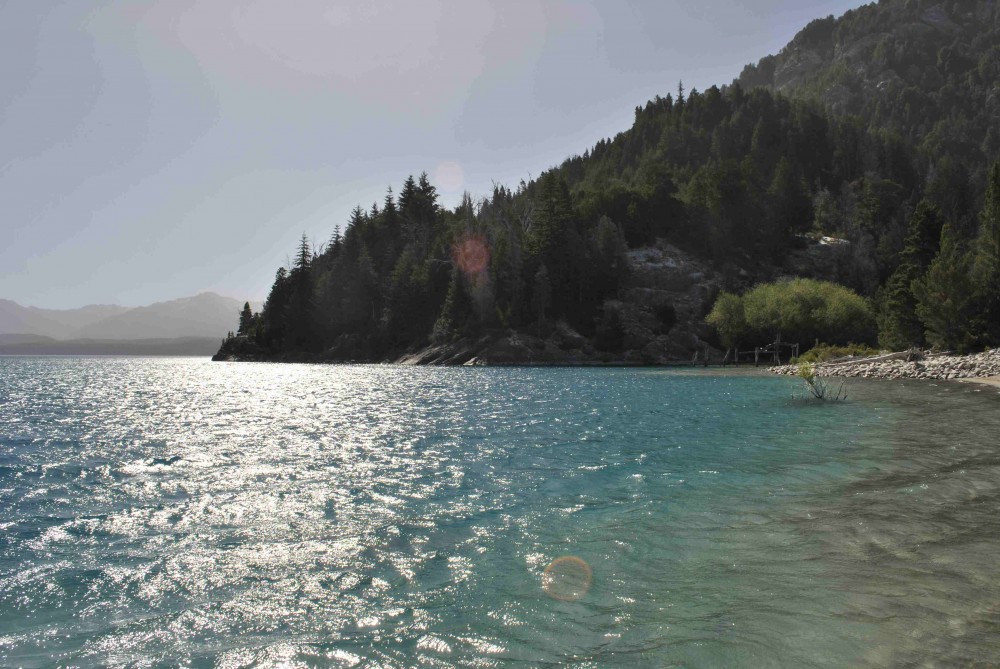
(151, 150)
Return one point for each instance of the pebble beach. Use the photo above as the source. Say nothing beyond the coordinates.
(979, 367)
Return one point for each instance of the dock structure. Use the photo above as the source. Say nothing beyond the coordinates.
(771, 354)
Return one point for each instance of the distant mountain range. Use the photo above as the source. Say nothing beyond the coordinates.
(186, 326)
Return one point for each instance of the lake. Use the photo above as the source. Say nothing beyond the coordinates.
(165, 511)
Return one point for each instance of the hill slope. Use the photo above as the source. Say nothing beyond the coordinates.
(928, 71)
(204, 315)
(872, 130)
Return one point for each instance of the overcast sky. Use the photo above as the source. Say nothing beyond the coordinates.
(154, 150)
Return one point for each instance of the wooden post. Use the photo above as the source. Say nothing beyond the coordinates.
(756, 356)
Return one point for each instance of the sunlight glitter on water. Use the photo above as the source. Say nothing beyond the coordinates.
(178, 511)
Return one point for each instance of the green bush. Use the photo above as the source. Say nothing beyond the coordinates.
(799, 310)
(825, 352)
(728, 317)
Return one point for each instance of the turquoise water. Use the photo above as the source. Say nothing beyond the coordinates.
(160, 512)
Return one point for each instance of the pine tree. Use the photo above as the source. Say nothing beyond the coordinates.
(336, 241)
(304, 256)
(300, 327)
(553, 214)
(408, 196)
(791, 207)
(944, 296)
(273, 322)
(246, 321)
(986, 270)
(358, 218)
(389, 211)
(454, 312)
(898, 323)
(541, 294)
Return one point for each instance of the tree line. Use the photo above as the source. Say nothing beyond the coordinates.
(407, 271)
(738, 176)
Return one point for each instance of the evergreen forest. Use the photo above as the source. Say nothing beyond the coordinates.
(879, 129)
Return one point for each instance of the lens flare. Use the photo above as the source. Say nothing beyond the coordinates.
(567, 579)
(471, 254)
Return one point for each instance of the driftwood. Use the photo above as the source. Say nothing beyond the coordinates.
(849, 360)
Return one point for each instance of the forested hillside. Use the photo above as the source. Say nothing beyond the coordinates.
(878, 128)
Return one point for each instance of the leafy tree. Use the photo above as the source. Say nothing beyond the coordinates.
(729, 318)
(800, 310)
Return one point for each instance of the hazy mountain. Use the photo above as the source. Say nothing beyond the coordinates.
(15, 319)
(22, 339)
(204, 315)
(56, 323)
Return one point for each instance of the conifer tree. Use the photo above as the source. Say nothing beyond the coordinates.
(541, 294)
(987, 263)
(300, 324)
(336, 240)
(898, 323)
(945, 298)
(246, 321)
(791, 206)
(273, 320)
(454, 312)
(389, 209)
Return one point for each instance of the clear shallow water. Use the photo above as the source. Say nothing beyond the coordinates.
(165, 511)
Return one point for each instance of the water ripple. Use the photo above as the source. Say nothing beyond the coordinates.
(181, 512)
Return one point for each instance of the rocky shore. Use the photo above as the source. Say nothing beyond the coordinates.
(561, 346)
(909, 365)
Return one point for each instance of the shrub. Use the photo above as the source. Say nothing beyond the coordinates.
(800, 310)
(819, 388)
(729, 318)
(824, 352)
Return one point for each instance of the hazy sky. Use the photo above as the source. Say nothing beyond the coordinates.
(153, 150)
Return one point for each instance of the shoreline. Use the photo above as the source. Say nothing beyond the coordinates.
(991, 381)
(562, 347)
(979, 368)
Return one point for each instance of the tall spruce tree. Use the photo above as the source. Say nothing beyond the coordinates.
(945, 300)
(300, 326)
(987, 263)
(246, 321)
(899, 325)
